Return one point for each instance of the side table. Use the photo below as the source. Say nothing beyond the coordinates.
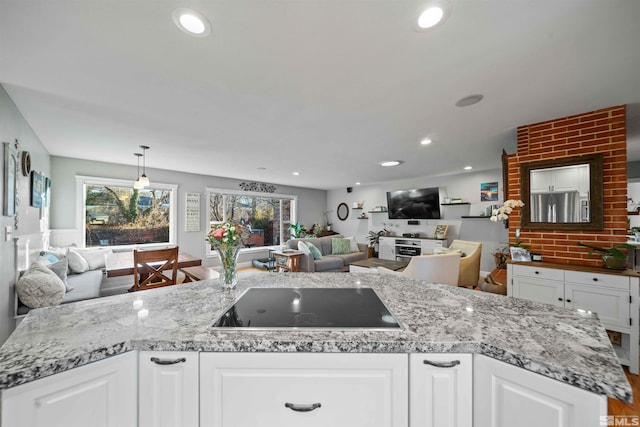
(287, 261)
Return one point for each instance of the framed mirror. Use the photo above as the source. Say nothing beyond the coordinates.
(342, 211)
(562, 194)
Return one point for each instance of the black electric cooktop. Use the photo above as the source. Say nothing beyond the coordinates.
(308, 308)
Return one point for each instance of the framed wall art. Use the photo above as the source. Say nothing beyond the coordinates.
(37, 189)
(9, 187)
(489, 192)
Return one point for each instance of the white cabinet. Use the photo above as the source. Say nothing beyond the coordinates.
(394, 248)
(440, 390)
(537, 284)
(168, 389)
(614, 297)
(303, 389)
(101, 394)
(507, 396)
(557, 179)
(386, 248)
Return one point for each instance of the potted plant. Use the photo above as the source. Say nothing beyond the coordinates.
(374, 239)
(297, 230)
(613, 257)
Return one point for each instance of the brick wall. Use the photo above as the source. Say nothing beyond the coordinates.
(601, 131)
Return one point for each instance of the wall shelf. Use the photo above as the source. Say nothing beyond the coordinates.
(455, 204)
(475, 216)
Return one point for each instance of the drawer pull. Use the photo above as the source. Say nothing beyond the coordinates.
(442, 364)
(302, 408)
(595, 279)
(559, 299)
(158, 361)
(537, 272)
(568, 300)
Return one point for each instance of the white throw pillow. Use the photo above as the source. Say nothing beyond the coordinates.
(353, 244)
(302, 247)
(95, 257)
(40, 287)
(77, 264)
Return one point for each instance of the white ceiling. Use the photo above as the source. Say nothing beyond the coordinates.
(328, 88)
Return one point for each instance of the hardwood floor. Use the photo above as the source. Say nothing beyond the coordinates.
(618, 407)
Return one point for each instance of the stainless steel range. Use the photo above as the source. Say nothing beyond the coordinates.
(308, 308)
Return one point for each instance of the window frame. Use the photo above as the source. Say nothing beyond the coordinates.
(293, 217)
(81, 208)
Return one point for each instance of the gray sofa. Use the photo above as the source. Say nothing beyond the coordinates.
(328, 262)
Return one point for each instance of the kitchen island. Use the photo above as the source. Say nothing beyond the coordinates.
(568, 346)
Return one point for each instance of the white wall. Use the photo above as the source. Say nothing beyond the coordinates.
(465, 186)
(12, 126)
(311, 203)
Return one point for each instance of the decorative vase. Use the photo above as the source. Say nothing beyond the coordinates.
(614, 263)
(229, 260)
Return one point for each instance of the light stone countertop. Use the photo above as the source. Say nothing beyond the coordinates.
(566, 345)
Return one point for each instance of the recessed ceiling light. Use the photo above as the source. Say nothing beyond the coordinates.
(261, 168)
(432, 14)
(357, 183)
(296, 173)
(469, 100)
(191, 22)
(468, 168)
(389, 163)
(426, 141)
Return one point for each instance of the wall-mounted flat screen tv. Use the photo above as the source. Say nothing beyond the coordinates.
(422, 203)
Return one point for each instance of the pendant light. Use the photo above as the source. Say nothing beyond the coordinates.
(143, 178)
(137, 184)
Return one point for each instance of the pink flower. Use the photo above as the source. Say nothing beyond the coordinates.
(219, 233)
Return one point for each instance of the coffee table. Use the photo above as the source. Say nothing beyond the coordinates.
(370, 265)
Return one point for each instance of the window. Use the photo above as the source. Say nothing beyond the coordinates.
(115, 214)
(266, 217)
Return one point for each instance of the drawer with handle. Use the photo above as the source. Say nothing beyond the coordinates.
(538, 272)
(616, 281)
(311, 389)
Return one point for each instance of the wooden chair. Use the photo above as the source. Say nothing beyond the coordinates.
(149, 267)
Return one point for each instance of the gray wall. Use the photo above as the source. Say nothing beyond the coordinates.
(12, 126)
(311, 203)
(465, 186)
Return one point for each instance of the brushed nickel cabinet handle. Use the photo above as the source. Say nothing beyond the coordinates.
(302, 408)
(158, 361)
(442, 364)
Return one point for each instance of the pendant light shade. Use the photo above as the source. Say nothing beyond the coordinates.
(138, 185)
(144, 181)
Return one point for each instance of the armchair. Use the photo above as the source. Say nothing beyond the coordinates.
(470, 263)
(443, 269)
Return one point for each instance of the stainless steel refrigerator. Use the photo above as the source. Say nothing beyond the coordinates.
(555, 207)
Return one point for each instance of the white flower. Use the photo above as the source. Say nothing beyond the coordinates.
(503, 212)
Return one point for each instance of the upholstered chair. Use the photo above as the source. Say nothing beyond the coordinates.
(443, 269)
(469, 263)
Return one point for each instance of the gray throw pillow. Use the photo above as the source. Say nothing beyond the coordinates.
(60, 268)
(40, 287)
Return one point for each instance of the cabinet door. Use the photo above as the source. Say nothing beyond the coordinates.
(565, 179)
(507, 396)
(612, 305)
(540, 290)
(540, 181)
(100, 394)
(440, 390)
(427, 246)
(386, 248)
(168, 389)
(303, 389)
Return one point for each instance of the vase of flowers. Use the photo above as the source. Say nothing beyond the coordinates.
(226, 241)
